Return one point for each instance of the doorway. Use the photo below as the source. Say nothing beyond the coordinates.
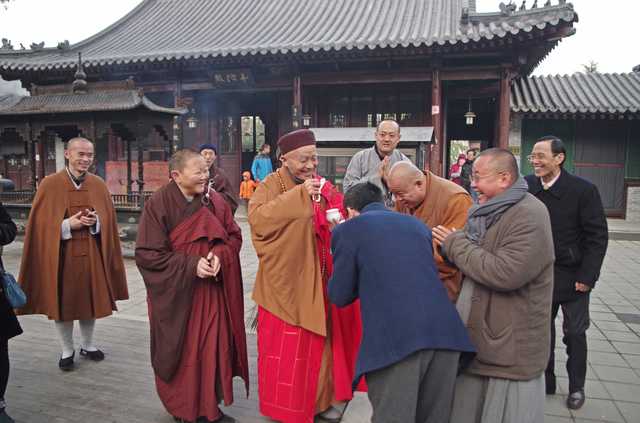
(253, 138)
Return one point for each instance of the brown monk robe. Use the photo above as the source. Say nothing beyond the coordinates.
(198, 341)
(217, 177)
(435, 201)
(80, 278)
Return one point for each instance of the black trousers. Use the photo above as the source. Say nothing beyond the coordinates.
(576, 322)
(4, 367)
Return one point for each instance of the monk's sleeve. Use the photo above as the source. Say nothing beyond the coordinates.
(159, 265)
(269, 216)
(455, 216)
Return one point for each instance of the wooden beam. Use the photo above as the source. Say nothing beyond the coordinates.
(435, 158)
(504, 109)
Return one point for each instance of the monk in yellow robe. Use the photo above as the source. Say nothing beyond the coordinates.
(435, 201)
(307, 347)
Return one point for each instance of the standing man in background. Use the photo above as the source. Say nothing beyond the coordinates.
(373, 164)
(262, 166)
(217, 177)
(580, 238)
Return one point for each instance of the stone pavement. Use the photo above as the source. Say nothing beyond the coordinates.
(121, 388)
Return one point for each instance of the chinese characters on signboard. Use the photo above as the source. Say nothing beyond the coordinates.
(232, 78)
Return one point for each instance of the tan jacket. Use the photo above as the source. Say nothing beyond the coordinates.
(445, 204)
(510, 316)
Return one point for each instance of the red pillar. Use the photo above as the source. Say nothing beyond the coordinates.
(435, 158)
(504, 109)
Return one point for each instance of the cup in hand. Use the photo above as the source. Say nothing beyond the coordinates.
(334, 216)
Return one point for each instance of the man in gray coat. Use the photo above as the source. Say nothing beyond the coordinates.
(373, 164)
(506, 254)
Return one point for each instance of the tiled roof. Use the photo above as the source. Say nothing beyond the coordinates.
(76, 103)
(159, 30)
(608, 93)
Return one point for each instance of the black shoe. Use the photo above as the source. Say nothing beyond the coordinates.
(550, 383)
(66, 364)
(96, 355)
(224, 419)
(575, 400)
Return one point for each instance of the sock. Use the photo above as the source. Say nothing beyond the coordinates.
(65, 334)
(86, 331)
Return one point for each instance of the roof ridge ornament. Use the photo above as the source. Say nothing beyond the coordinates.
(79, 85)
(507, 9)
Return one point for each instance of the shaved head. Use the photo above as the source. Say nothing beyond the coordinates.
(404, 172)
(77, 140)
(407, 183)
(502, 161)
(180, 158)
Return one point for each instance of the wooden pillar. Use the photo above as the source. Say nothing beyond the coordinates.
(435, 158)
(296, 108)
(42, 152)
(129, 177)
(504, 109)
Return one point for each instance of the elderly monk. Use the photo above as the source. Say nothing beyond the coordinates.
(218, 179)
(306, 347)
(435, 201)
(187, 251)
(72, 266)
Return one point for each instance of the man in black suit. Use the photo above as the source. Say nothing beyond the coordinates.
(580, 238)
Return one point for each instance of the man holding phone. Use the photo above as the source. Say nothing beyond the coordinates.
(72, 266)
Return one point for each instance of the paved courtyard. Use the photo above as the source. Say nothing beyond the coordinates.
(121, 388)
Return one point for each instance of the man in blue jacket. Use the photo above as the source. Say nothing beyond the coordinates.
(412, 334)
(261, 166)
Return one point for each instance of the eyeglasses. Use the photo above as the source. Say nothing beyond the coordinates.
(477, 178)
(538, 156)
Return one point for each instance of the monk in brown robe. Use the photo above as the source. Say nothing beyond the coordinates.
(435, 201)
(306, 347)
(188, 253)
(218, 179)
(72, 266)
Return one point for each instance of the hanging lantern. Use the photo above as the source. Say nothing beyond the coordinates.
(192, 120)
(469, 117)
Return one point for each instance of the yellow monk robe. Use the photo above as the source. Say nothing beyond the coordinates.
(306, 347)
(446, 204)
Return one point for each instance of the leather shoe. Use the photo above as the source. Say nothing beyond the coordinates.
(66, 364)
(96, 355)
(550, 383)
(575, 400)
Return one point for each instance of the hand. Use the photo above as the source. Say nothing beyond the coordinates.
(312, 186)
(440, 233)
(88, 217)
(383, 169)
(215, 263)
(581, 287)
(75, 221)
(204, 268)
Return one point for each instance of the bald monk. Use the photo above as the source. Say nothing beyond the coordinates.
(306, 347)
(188, 253)
(435, 201)
(72, 266)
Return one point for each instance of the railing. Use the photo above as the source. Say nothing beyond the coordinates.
(124, 202)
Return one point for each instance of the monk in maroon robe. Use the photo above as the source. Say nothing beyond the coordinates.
(188, 253)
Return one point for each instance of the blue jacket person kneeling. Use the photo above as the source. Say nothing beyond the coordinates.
(412, 334)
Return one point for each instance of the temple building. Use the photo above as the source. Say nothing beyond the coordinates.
(241, 73)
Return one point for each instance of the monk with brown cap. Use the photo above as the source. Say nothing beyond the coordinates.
(435, 201)
(72, 266)
(307, 347)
